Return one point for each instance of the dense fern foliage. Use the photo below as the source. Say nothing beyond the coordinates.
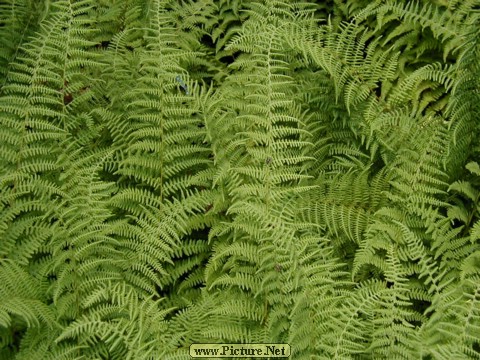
(180, 172)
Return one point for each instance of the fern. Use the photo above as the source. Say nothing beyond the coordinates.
(239, 172)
